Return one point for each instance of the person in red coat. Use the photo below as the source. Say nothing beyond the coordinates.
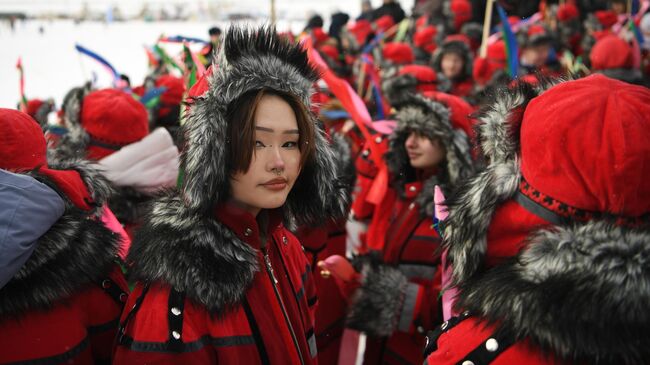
(220, 278)
(454, 60)
(547, 243)
(398, 283)
(63, 304)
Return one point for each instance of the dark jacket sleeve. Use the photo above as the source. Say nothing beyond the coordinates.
(28, 209)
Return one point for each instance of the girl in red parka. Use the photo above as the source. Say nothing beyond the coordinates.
(399, 284)
(64, 304)
(220, 278)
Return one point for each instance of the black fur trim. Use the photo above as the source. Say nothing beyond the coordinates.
(76, 251)
(73, 144)
(629, 75)
(128, 205)
(579, 292)
(377, 303)
(397, 89)
(194, 254)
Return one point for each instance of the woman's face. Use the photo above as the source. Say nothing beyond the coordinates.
(275, 164)
(424, 153)
(452, 65)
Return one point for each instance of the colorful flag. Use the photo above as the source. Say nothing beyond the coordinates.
(512, 51)
(102, 61)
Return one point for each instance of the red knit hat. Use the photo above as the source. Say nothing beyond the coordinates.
(484, 68)
(425, 76)
(361, 29)
(173, 94)
(611, 52)
(112, 119)
(398, 53)
(32, 106)
(566, 12)
(384, 23)
(425, 38)
(462, 10)
(606, 18)
(23, 148)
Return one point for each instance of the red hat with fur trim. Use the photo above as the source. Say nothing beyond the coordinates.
(23, 148)
(112, 119)
(559, 215)
(611, 52)
(361, 29)
(606, 18)
(566, 12)
(398, 53)
(425, 38)
(384, 23)
(425, 75)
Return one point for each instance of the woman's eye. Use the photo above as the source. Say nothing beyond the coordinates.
(291, 144)
(259, 144)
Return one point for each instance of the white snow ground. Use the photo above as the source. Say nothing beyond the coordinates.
(52, 65)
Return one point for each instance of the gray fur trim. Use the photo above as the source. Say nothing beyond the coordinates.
(579, 292)
(377, 304)
(253, 59)
(471, 208)
(431, 119)
(73, 144)
(629, 75)
(99, 188)
(397, 89)
(194, 254)
(77, 251)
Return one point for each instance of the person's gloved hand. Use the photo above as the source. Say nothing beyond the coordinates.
(339, 269)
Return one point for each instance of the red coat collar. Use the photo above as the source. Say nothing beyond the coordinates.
(244, 224)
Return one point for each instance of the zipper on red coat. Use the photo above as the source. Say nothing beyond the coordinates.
(274, 283)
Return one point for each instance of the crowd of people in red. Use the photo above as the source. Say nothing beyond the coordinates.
(457, 186)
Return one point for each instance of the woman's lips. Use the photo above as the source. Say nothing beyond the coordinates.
(275, 184)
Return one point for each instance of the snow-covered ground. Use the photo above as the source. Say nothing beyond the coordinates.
(52, 65)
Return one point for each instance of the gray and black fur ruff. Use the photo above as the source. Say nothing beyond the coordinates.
(76, 252)
(72, 145)
(431, 119)
(181, 243)
(579, 291)
(398, 89)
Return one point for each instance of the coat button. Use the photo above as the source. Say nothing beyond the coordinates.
(248, 232)
(491, 345)
(413, 188)
(420, 329)
(176, 335)
(411, 206)
(123, 297)
(106, 284)
(365, 153)
(467, 362)
(444, 325)
(284, 240)
(176, 311)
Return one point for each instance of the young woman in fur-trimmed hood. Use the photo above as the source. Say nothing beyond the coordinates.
(396, 301)
(220, 277)
(550, 243)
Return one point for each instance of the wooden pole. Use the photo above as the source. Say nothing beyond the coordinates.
(486, 28)
(273, 18)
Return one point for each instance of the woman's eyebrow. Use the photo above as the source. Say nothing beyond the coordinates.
(288, 131)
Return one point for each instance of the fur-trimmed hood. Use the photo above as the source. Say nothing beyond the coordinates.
(576, 289)
(181, 243)
(432, 120)
(77, 251)
(460, 48)
(398, 89)
(252, 59)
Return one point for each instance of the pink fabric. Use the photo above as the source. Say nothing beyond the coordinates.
(448, 293)
(109, 220)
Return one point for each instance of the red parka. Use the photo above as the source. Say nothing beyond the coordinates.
(223, 297)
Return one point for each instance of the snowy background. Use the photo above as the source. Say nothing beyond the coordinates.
(52, 66)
